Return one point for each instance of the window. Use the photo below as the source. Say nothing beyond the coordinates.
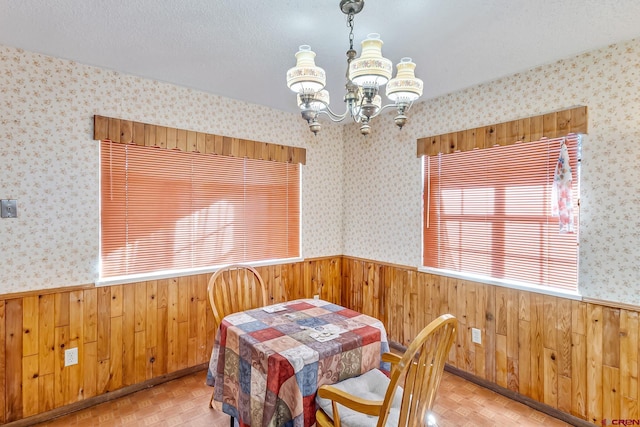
(488, 213)
(166, 210)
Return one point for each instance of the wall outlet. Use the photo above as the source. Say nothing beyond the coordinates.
(316, 296)
(71, 357)
(476, 336)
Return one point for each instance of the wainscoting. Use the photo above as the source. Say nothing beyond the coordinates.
(577, 357)
(125, 334)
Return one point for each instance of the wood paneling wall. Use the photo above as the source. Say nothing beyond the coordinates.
(125, 334)
(578, 357)
(130, 132)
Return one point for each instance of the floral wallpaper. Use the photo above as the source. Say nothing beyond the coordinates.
(50, 162)
(383, 178)
(361, 196)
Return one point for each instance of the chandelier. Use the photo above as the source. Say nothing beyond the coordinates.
(365, 76)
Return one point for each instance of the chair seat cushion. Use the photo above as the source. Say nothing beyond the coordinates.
(371, 385)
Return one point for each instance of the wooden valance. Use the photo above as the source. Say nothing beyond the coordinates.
(130, 132)
(551, 125)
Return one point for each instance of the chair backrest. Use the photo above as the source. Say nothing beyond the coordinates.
(419, 372)
(235, 288)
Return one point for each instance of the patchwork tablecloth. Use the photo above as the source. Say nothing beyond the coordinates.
(268, 363)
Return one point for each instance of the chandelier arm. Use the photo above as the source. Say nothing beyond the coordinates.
(340, 117)
(381, 109)
(407, 106)
(333, 116)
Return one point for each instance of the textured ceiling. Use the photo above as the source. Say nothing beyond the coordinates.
(242, 48)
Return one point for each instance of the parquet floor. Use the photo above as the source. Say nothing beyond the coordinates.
(460, 403)
(185, 402)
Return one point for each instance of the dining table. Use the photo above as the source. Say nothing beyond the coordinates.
(267, 363)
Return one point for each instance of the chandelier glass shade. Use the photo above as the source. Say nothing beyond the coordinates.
(405, 87)
(365, 76)
(306, 77)
(371, 69)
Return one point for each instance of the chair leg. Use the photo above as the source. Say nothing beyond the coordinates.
(211, 400)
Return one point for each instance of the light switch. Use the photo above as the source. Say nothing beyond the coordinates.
(8, 208)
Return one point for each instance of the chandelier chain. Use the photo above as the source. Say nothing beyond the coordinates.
(350, 25)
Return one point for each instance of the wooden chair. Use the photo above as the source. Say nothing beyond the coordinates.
(235, 288)
(405, 399)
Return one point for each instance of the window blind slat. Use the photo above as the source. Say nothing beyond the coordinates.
(168, 209)
(488, 212)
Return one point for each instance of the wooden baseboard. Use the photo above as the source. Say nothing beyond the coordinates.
(538, 406)
(106, 397)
